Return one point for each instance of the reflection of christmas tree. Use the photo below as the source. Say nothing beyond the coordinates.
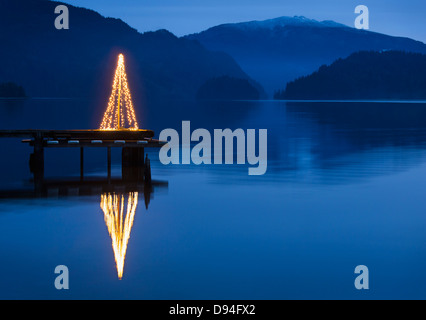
(119, 223)
(120, 113)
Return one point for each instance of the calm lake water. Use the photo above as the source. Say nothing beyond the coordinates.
(345, 186)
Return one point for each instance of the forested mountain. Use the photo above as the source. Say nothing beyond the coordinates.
(364, 75)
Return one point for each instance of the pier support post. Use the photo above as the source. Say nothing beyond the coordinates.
(140, 163)
(109, 163)
(148, 184)
(38, 158)
(37, 163)
(147, 170)
(81, 163)
(132, 164)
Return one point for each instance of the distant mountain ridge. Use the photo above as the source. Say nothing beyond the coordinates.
(79, 62)
(279, 50)
(11, 90)
(283, 22)
(227, 88)
(366, 75)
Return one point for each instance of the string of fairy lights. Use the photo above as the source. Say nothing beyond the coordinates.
(119, 224)
(120, 113)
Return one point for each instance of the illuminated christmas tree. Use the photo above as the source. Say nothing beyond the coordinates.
(120, 113)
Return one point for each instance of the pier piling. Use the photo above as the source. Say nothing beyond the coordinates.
(109, 162)
(81, 164)
(132, 163)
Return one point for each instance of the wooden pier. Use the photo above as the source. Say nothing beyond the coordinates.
(135, 166)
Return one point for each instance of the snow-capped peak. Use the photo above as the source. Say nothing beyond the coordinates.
(288, 21)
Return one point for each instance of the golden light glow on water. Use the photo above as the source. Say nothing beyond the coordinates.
(119, 224)
(120, 113)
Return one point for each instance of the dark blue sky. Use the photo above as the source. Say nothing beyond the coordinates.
(394, 17)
